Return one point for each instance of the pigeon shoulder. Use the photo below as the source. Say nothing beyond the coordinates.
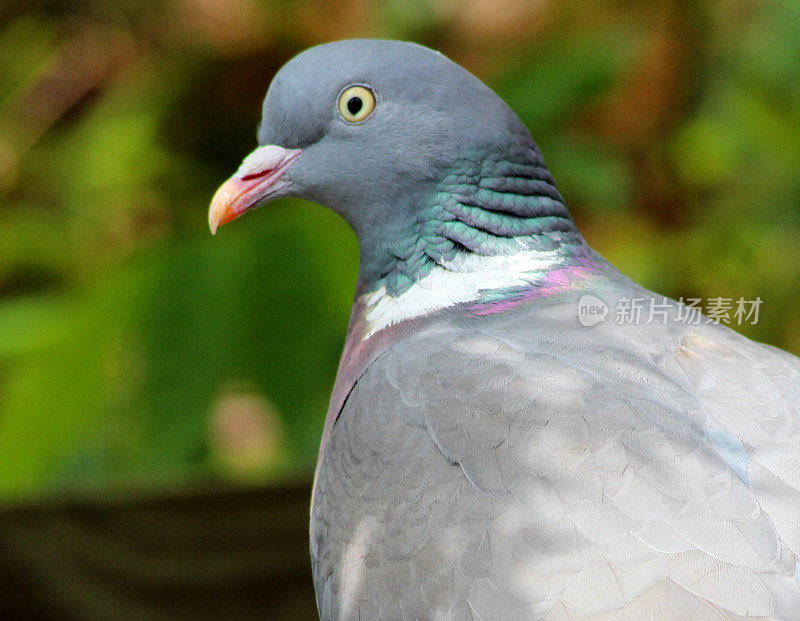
(567, 471)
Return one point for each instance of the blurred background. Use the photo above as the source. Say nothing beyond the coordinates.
(138, 353)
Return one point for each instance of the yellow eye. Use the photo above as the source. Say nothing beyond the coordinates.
(356, 103)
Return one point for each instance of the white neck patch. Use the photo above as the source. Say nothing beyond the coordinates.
(455, 282)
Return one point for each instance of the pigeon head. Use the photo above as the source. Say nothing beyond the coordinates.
(428, 165)
(378, 123)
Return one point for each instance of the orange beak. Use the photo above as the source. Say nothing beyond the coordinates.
(259, 177)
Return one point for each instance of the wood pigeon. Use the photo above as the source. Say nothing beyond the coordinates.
(499, 445)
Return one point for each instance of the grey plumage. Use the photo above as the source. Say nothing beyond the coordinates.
(485, 454)
(522, 466)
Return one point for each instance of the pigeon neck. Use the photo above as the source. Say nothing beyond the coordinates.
(489, 226)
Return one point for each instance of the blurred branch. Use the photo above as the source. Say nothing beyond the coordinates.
(61, 81)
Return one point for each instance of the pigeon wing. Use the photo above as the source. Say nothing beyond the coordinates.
(563, 472)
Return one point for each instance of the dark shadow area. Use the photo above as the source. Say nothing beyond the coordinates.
(211, 554)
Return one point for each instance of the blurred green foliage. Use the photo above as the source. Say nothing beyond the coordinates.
(133, 346)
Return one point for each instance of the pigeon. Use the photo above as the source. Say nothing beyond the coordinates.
(502, 442)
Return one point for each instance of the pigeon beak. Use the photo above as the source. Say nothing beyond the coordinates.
(259, 177)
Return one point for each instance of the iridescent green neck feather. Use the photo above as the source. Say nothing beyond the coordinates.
(487, 207)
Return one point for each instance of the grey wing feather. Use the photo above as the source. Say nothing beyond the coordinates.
(564, 473)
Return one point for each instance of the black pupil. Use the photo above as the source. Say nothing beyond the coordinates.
(354, 105)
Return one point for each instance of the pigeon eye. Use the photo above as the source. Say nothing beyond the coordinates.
(356, 103)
